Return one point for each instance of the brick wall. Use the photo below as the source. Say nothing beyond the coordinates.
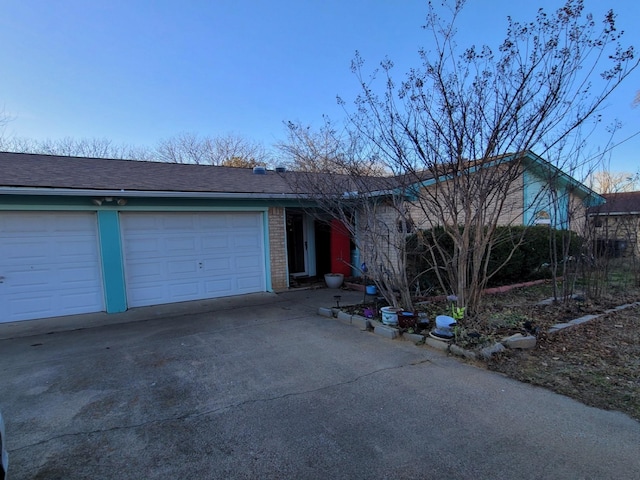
(278, 248)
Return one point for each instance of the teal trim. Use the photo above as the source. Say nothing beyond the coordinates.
(532, 197)
(115, 296)
(526, 211)
(139, 204)
(267, 251)
(562, 219)
(538, 197)
(543, 169)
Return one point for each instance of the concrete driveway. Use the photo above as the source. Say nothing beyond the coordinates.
(262, 387)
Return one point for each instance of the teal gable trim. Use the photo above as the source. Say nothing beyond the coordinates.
(115, 296)
(540, 196)
(530, 192)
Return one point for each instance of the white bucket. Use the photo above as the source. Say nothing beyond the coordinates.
(390, 315)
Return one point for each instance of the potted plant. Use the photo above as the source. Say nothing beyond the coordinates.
(334, 280)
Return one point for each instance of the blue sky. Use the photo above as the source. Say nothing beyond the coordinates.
(138, 71)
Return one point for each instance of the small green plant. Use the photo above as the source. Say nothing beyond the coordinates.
(456, 312)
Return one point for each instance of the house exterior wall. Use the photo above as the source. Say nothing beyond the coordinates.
(577, 215)
(527, 201)
(624, 228)
(378, 239)
(511, 213)
(278, 248)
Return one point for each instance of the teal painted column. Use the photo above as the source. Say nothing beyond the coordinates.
(115, 295)
(267, 251)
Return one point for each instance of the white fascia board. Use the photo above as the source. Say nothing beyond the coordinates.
(613, 214)
(70, 192)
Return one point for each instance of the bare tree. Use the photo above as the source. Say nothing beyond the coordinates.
(460, 127)
(371, 208)
(606, 181)
(228, 150)
(73, 147)
(325, 150)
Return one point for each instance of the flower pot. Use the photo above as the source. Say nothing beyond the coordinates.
(333, 280)
(407, 320)
(444, 324)
(390, 315)
(371, 290)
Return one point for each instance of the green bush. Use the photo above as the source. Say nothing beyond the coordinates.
(530, 260)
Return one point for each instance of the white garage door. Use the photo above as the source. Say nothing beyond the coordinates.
(49, 265)
(175, 257)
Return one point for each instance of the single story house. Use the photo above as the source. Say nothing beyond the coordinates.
(81, 235)
(617, 224)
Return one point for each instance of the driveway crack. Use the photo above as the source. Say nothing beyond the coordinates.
(194, 415)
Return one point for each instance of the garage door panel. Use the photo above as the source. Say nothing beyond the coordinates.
(28, 308)
(247, 283)
(76, 276)
(246, 241)
(182, 267)
(215, 242)
(145, 271)
(214, 222)
(150, 292)
(246, 262)
(26, 282)
(196, 255)
(178, 223)
(135, 245)
(218, 265)
(220, 286)
(245, 221)
(24, 251)
(50, 263)
(185, 290)
(180, 245)
(81, 297)
(73, 249)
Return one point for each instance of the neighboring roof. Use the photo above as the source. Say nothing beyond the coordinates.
(31, 171)
(618, 204)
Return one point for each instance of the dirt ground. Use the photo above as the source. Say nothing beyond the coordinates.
(597, 362)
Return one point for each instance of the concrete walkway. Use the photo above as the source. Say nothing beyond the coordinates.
(261, 387)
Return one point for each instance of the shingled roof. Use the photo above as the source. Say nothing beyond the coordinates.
(623, 203)
(35, 173)
(21, 171)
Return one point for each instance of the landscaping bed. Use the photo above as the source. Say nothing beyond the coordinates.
(596, 362)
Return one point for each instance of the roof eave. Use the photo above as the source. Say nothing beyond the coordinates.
(75, 192)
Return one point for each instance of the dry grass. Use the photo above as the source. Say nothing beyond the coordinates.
(597, 363)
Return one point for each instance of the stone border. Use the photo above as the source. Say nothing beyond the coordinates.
(517, 341)
(561, 326)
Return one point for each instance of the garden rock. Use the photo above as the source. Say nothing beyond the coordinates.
(487, 352)
(520, 341)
